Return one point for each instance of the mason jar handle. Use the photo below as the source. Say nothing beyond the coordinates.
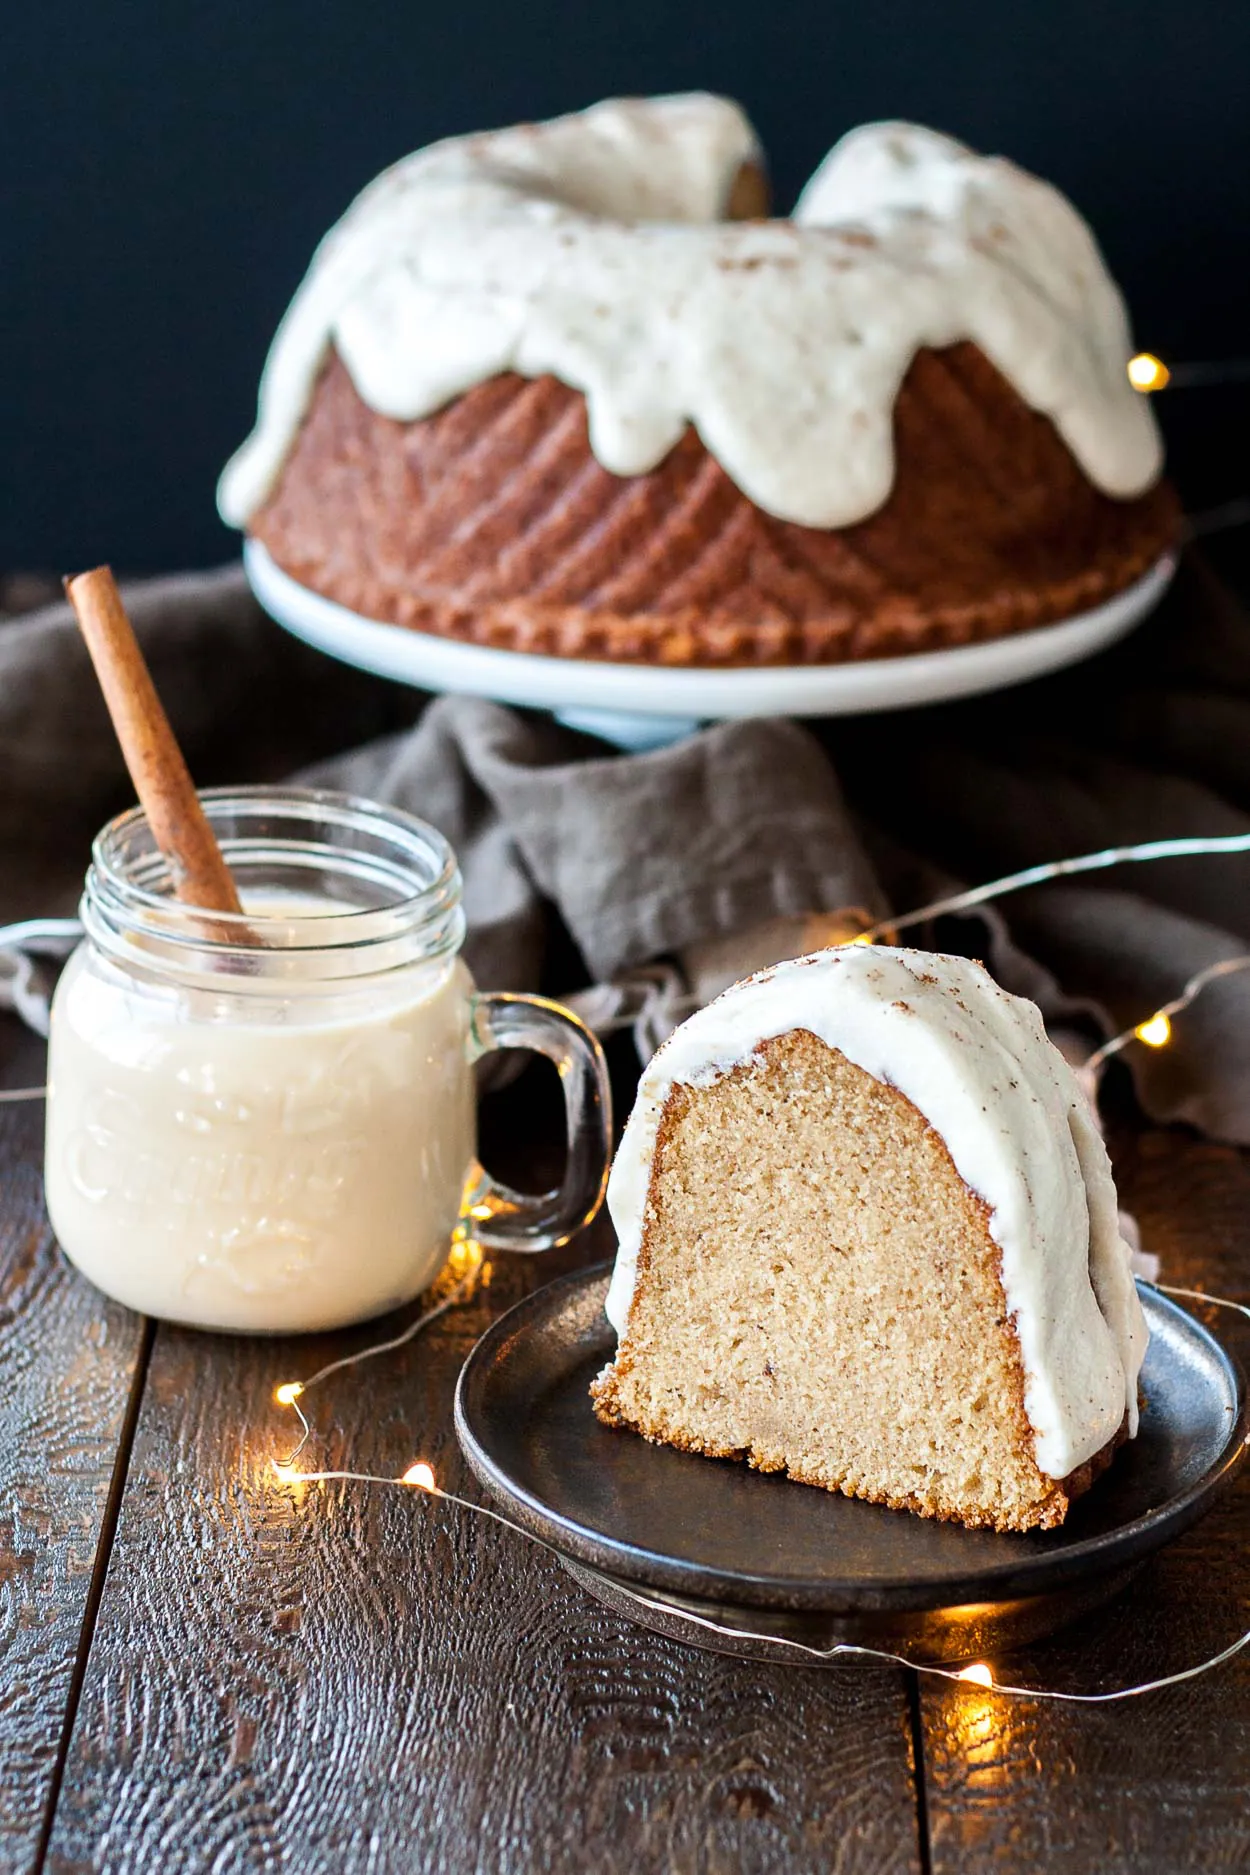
(503, 1219)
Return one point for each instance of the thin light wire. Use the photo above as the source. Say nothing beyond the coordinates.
(840, 1649)
(1200, 372)
(1227, 967)
(458, 1294)
(305, 1435)
(1218, 520)
(1201, 1295)
(461, 1293)
(1106, 856)
(1180, 848)
(956, 902)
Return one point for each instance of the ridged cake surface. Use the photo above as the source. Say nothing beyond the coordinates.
(493, 522)
(541, 390)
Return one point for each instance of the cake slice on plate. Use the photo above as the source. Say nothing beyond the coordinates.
(869, 1237)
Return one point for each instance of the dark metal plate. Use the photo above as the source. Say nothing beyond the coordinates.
(712, 1533)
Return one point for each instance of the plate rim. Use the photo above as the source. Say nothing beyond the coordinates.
(705, 693)
(1017, 1578)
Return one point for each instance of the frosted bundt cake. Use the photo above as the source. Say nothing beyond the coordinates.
(541, 391)
(869, 1237)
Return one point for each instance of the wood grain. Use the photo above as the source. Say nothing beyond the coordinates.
(1157, 1784)
(67, 1361)
(341, 1678)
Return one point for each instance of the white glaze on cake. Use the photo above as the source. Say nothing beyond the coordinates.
(978, 1065)
(591, 247)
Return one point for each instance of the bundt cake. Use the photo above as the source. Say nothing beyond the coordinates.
(541, 390)
(869, 1237)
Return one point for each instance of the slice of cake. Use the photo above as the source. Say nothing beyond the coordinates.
(869, 1237)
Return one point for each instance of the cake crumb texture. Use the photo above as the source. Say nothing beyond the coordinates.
(818, 1293)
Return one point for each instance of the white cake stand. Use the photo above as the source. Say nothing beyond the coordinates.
(641, 706)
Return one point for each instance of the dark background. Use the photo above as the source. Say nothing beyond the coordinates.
(167, 169)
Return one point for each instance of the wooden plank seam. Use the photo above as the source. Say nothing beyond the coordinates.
(95, 1592)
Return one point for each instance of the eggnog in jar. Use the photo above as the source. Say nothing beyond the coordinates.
(267, 1123)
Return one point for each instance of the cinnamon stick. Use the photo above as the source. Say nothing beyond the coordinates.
(162, 781)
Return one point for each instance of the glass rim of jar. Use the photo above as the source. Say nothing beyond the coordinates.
(128, 894)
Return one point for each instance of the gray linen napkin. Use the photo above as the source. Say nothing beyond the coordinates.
(642, 855)
(570, 851)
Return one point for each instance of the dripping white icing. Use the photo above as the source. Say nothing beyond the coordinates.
(591, 247)
(978, 1065)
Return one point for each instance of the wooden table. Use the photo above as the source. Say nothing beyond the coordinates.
(203, 1669)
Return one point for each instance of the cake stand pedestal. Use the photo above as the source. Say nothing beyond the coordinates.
(646, 706)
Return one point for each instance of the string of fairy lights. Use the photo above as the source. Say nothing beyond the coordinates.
(467, 1271)
(1149, 375)
(420, 1476)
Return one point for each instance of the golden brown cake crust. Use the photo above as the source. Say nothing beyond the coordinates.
(640, 1391)
(492, 522)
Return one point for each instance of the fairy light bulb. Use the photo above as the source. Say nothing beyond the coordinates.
(979, 1674)
(1156, 1032)
(419, 1474)
(1147, 373)
(288, 1392)
(284, 1473)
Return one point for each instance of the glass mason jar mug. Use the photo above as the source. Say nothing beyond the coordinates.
(268, 1122)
